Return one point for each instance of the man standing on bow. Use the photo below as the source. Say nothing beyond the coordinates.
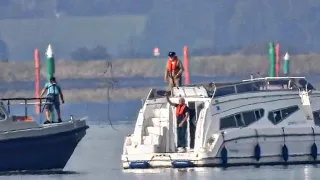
(53, 92)
(182, 115)
(173, 71)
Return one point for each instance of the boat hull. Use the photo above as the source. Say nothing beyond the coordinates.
(170, 160)
(41, 152)
(268, 146)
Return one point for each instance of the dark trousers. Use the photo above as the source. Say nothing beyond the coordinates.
(181, 133)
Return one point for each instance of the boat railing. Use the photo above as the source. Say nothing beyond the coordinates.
(262, 85)
(143, 100)
(150, 96)
(39, 102)
(231, 90)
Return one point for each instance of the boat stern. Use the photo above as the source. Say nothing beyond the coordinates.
(164, 160)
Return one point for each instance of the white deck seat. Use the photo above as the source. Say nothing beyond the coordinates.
(141, 149)
(163, 112)
(155, 130)
(151, 140)
(159, 121)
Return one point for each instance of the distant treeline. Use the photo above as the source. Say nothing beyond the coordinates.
(17, 9)
(209, 27)
(98, 53)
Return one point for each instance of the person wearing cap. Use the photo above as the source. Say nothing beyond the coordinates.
(53, 92)
(173, 71)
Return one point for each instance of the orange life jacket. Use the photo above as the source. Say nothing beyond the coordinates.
(180, 109)
(173, 65)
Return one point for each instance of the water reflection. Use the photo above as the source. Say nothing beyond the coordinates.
(292, 172)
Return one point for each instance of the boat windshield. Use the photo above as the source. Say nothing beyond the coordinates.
(289, 84)
(156, 93)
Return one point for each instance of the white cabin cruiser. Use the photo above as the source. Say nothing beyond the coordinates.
(259, 121)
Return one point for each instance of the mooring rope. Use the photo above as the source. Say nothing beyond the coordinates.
(110, 87)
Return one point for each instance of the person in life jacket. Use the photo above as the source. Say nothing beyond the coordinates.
(173, 71)
(182, 115)
(53, 92)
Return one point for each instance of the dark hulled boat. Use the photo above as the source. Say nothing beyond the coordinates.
(26, 145)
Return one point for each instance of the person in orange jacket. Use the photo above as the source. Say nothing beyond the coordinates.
(173, 71)
(182, 117)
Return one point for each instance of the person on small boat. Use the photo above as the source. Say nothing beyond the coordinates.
(173, 71)
(53, 92)
(182, 115)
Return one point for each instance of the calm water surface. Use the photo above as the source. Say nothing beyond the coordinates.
(98, 154)
(98, 157)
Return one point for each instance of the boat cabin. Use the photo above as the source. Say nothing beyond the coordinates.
(229, 123)
(199, 97)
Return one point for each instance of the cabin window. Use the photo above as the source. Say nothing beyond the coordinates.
(249, 87)
(257, 86)
(280, 82)
(241, 119)
(244, 88)
(300, 83)
(249, 117)
(277, 84)
(288, 111)
(303, 83)
(316, 116)
(227, 122)
(225, 91)
(279, 115)
(259, 113)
